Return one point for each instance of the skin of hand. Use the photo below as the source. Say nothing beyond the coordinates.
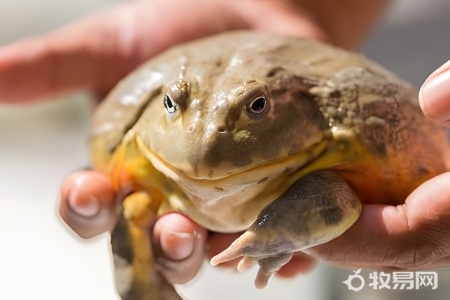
(97, 52)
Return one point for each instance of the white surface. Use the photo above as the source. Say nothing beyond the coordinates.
(39, 257)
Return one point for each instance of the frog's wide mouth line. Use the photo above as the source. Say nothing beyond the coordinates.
(287, 165)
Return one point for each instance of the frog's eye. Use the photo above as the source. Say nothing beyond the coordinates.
(258, 106)
(170, 105)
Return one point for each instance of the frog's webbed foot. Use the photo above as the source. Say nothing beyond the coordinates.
(315, 209)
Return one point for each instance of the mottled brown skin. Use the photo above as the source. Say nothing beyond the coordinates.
(404, 148)
(249, 128)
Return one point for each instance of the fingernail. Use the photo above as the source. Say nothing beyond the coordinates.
(434, 97)
(178, 245)
(87, 206)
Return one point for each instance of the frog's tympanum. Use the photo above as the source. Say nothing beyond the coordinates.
(280, 137)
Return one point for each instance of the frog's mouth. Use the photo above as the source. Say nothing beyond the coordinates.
(255, 178)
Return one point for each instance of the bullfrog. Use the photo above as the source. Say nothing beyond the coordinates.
(282, 138)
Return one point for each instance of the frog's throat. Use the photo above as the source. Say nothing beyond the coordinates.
(325, 154)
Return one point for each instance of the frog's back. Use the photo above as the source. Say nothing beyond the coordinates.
(402, 148)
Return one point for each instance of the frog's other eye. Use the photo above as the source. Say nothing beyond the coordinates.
(170, 105)
(258, 106)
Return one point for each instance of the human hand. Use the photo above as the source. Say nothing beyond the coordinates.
(409, 236)
(88, 204)
(95, 53)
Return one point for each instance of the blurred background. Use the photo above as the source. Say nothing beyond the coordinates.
(40, 144)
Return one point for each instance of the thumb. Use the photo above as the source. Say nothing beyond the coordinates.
(434, 95)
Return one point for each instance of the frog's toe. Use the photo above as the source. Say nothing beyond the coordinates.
(268, 264)
(235, 250)
(246, 262)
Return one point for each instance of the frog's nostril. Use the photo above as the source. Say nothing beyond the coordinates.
(221, 129)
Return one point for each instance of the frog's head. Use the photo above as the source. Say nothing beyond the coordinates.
(211, 127)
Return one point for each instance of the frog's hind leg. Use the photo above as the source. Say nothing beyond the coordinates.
(135, 273)
(315, 209)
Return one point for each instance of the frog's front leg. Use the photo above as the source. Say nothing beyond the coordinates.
(315, 209)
